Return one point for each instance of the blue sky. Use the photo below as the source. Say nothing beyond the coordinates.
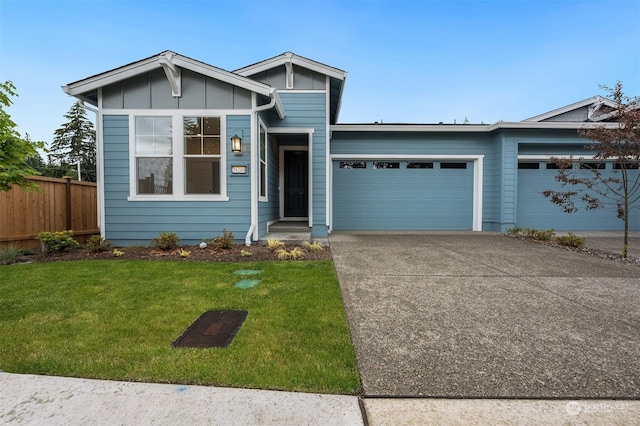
(407, 61)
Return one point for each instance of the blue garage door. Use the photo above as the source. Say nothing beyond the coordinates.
(402, 195)
(536, 211)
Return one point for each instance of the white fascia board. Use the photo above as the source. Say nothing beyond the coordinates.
(545, 157)
(466, 128)
(109, 77)
(154, 62)
(565, 109)
(471, 157)
(294, 59)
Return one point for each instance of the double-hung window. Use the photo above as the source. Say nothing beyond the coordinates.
(178, 157)
(202, 155)
(154, 155)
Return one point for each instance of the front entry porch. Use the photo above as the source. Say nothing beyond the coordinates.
(290, 232)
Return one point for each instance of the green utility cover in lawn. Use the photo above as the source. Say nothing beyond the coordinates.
(247, 283)
(247, 272)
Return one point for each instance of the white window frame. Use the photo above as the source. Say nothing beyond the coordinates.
(179, 162)
(263, 197)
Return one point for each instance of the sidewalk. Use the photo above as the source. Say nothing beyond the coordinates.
(37, 400)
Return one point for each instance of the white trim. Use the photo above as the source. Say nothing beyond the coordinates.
(478, 169)
(576, 105)
(100, 166)
(293, 59)
(467, 128)
(282, 149)
(291, 130)
(171, 111)
(527, 157)
(265, 198)
(177, 60)
(328, 166)
(177, 157)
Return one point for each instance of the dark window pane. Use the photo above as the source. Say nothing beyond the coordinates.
(353, 165)
(528, 166)
(592, 166)
(419, 165)
(155, 175)
(453, 165)
(202, 175)
(628, 166)
(386, 165)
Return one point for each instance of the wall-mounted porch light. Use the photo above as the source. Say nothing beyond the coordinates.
(236, 144)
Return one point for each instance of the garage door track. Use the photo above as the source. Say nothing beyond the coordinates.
(480, 315)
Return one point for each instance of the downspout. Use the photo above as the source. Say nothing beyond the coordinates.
(254, 195)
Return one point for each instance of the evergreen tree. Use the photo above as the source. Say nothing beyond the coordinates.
(75, 140)
(13, 149)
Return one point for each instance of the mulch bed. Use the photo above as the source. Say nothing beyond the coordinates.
(237, 253)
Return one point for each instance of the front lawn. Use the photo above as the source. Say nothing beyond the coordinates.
(114, 319)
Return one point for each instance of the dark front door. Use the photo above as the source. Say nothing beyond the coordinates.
(296, 184)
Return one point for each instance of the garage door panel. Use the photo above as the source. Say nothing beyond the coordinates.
(402, 199)
(536, 211)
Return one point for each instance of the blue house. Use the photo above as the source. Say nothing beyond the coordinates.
(189, 148)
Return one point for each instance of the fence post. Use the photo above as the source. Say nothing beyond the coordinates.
(68, 205)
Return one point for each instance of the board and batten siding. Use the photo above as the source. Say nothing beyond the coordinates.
(152, 91)
(138, 222)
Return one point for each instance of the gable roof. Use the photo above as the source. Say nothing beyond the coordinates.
(169, 61)
(292, 58)
(593, 104)
(336, 76)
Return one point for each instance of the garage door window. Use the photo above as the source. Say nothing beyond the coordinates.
(353, 165)
(419, 165)
(386, 165)
(529, 166)
(453, 165)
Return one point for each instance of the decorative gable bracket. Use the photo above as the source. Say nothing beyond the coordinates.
(172, 72)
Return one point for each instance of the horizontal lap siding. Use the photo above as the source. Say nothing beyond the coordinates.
(308, 110)
(137, 222)
(536, 211)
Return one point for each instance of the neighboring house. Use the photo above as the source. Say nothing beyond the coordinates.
(166, 162)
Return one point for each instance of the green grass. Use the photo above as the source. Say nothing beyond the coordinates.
(114, 319)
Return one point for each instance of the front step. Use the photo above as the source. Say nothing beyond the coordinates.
(295, 233)
(290, 227)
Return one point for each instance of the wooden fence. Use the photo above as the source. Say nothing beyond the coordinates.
(61, 204)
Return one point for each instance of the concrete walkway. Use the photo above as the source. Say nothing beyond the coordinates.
(493, 330)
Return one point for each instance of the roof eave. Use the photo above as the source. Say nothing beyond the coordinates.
(466, 128)
(270, 63)
(149, 64)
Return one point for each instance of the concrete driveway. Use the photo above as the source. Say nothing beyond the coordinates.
(480, 315)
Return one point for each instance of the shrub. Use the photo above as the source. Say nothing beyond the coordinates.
(540, 235)
(571, 240)
(514, 231)
(245, 253)
(293, 254)
(9, 254)
(166, 241)
(117, 253)
(97, 244)
(184, 253)
(313, 246)
(55, 242)
(223, 242)
(275, 245)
